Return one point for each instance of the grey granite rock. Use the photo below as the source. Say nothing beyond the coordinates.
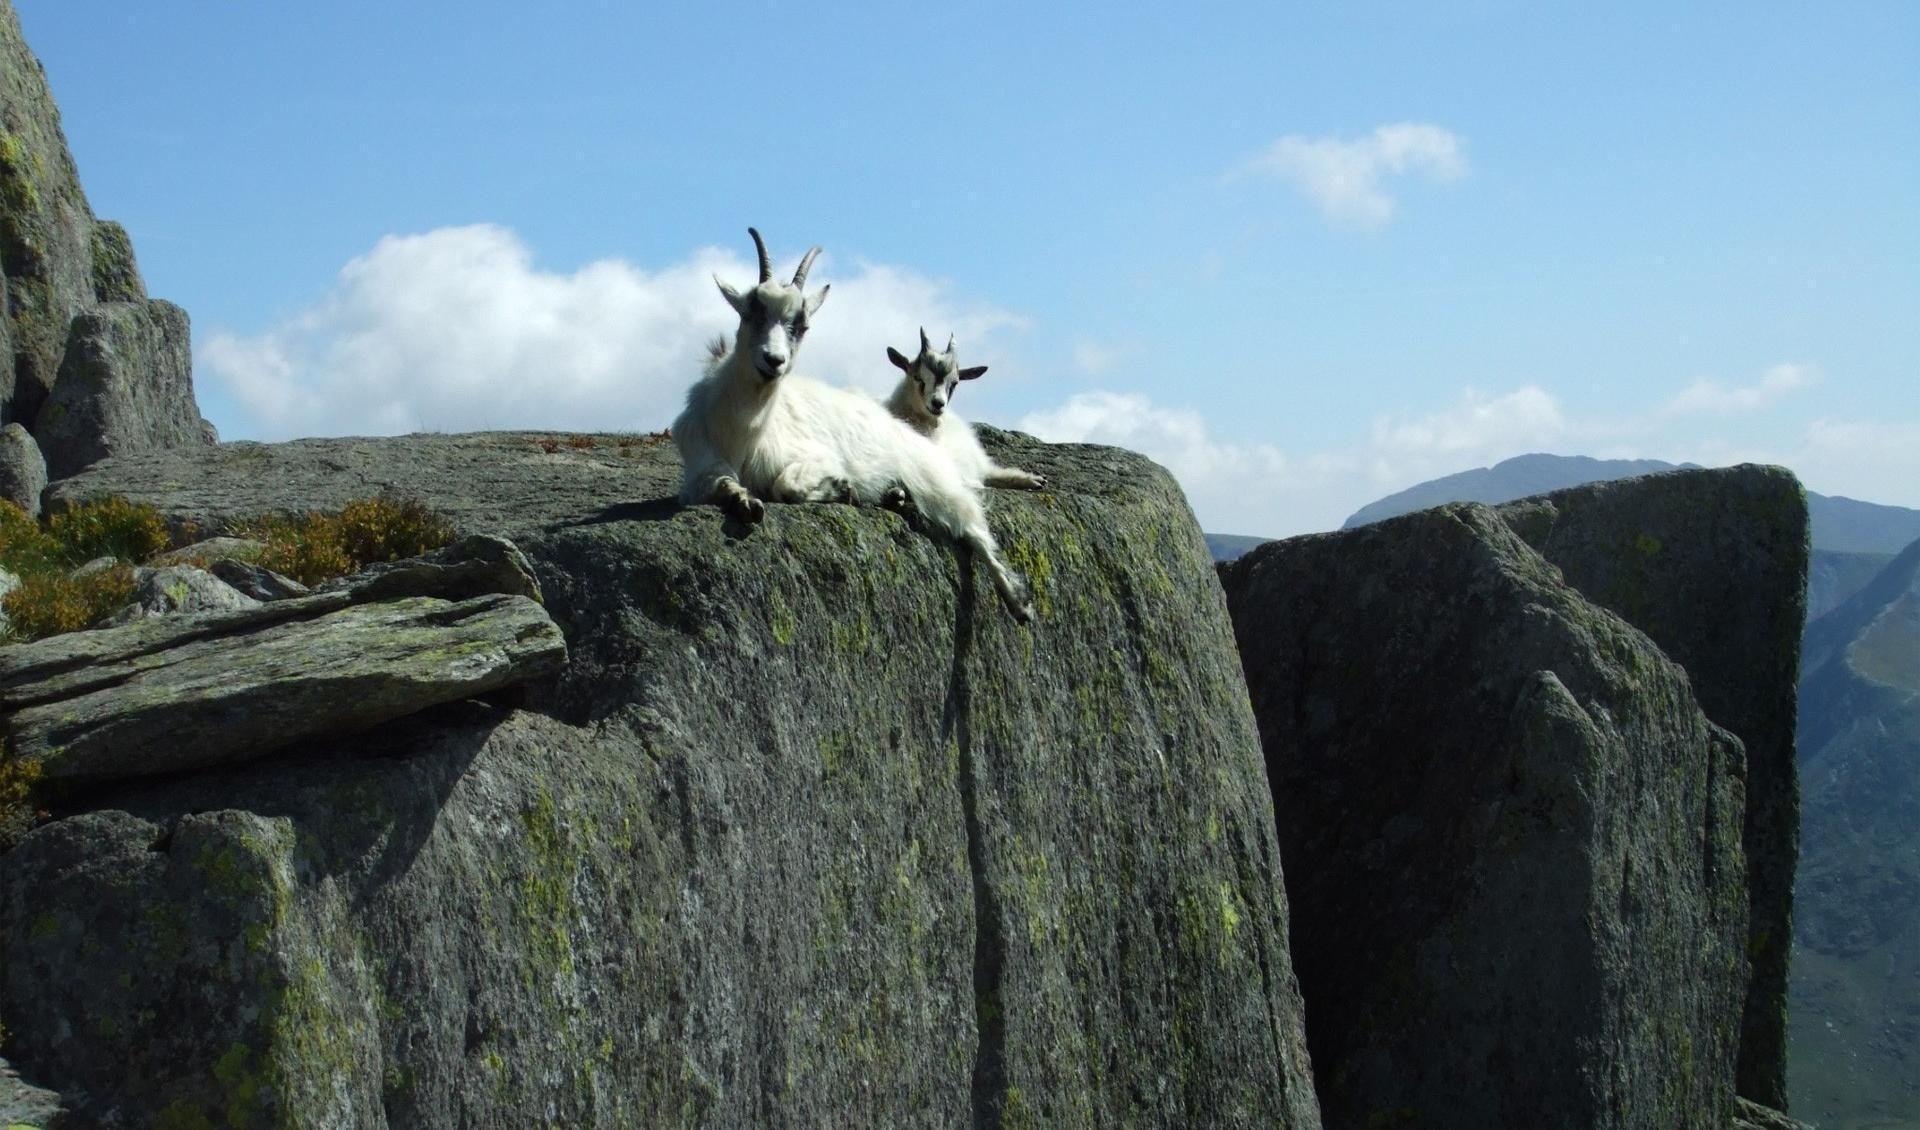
(471, 565)
(808, 832)
(24, 1106)
(1713, 566)
(504, 483)
(46, 229)
(257, 581)
(215, 698)
(1512, 839)
(23, 471)
(125, 384)
(174, 589)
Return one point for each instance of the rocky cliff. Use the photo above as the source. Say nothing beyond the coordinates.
(91, 365)
(807, 833)
(1712, 565)
(1517, 847)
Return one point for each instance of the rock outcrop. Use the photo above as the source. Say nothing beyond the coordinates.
(23, 1105)
(207, 689)
(1712, 565)
(1513, 840)
(808, 832)
(23, 470)
(172, 589)
(92, 366)
(125, 384)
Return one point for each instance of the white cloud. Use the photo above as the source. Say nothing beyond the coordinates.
(1258, 488)
(1708, 395)
(1875, 461)
(458, 329)
(1477, 426)
(1344, 178)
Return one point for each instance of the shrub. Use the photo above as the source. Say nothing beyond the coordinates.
(319, 546)
(24, 546)
(18, 812)
(109, 527)
(49, 602)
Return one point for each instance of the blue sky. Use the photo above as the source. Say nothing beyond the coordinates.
(1305, 255)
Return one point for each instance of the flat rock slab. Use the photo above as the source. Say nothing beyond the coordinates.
(214, 698)
(510, 483)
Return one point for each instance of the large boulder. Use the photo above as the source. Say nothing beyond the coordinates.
(809, 832)
(126, 384)
(1713, 566)
(1512, 838)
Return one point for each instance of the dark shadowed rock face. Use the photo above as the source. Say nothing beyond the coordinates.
(1513, 840)
(1713, 565)
(807, 833)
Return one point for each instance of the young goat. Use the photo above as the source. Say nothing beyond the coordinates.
(921, 402)
(752, 430)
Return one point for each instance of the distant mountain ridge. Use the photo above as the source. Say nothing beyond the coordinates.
(1840, 525)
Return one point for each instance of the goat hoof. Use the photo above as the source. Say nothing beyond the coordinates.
(895, 499)
(1039, 483)
(748, 510)
(840, 490)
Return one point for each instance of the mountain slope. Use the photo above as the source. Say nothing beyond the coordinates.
(1854, 1003)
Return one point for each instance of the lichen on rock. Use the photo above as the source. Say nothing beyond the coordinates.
(807, 831)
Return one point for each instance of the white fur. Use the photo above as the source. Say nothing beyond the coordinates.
(752, 430)
(923, 401)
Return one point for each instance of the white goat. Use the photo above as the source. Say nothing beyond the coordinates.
(753, 431)
(921, 401)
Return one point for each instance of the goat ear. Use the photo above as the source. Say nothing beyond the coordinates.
(732, 296)
(976, 371)
(900, 362)
(814, 302)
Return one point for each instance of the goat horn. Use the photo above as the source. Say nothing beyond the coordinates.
(925, 345)
(800, 273)
(949, 343)
(766, 264)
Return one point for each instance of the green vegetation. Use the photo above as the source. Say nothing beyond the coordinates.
(50, 599)
(18, 813)
(318, 546)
